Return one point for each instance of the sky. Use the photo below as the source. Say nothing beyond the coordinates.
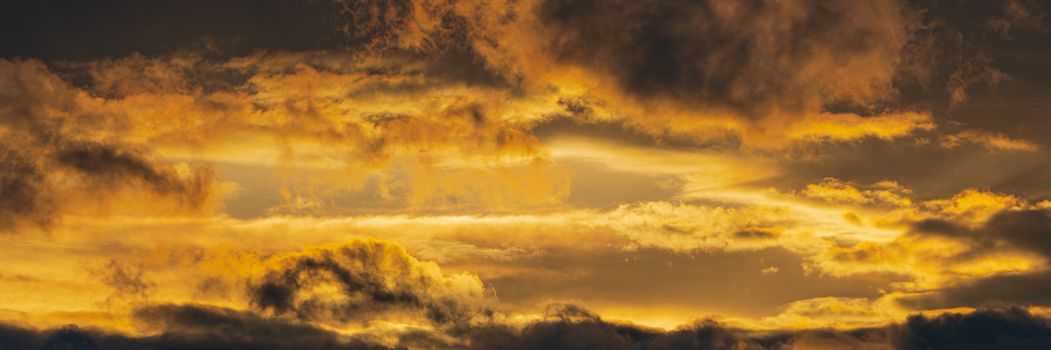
(525, 174)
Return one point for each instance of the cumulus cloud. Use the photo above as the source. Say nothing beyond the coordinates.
(362, 280)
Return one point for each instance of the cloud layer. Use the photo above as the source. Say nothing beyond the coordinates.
(529, 174)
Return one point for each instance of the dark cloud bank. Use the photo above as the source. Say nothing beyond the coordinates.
(566, 327)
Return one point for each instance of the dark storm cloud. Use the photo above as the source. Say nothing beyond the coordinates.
(753, 56)
(1012, 328)
(762, 57)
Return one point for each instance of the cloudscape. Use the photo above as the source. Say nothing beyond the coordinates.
(525, 174)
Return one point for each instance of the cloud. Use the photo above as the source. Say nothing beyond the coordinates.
(124, 126)
(212, 327)
(370, 283)
(1024, 230)
(107, 166)
(833, 190)
(573, 328)
(26, 197)
(764, 74)
(126, 281)
(760, 75)
(933, 261)
(990, 140)
(188, 327)
(362, 280)
(734, 56)
(564, 255)
(942, 242)
(570, 327)
(977, 69)
(955, 264)
(563, 327)
(1017, 14)
(974, 207)
(49, 165)
(1012, 328)
(422, 127)
(370, 106)
(135, 74)
(758, 64)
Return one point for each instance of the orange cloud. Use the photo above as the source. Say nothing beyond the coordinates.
(990, 140)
